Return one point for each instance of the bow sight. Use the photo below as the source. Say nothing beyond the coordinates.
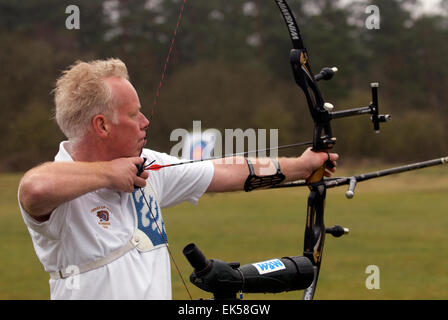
(321, 111)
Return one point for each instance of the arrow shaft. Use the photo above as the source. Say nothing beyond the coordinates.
(156, 167)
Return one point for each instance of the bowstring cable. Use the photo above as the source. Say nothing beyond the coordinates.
(165, 240)
(167, 60)
(156, 98)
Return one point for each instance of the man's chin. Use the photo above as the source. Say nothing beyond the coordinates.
(143, 145)
(139, 152)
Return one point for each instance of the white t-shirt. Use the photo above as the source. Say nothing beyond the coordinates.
(92, 226)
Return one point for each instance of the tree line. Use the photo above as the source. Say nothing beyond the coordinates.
(230, 69)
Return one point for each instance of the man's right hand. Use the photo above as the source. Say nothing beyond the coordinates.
(123, 174)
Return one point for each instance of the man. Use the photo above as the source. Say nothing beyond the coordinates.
(91, 216)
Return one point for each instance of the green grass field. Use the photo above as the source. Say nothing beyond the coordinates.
(398, 223)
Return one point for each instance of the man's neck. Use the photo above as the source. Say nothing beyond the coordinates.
(87, 149)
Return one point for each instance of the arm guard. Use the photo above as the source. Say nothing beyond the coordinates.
(253, 181)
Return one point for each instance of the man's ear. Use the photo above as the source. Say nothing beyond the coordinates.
(101, 125)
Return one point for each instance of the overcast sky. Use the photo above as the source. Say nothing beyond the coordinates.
(429, 5)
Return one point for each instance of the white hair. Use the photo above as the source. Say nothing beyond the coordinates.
(81, 93)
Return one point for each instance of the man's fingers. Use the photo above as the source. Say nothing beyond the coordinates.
(333, 156)
(137, 160)
(139, 165)
(144, 175)
(333, 168)
(140, 182)
(332, 159)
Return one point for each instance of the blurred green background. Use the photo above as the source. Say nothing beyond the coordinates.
(230, 69)
(398, 223)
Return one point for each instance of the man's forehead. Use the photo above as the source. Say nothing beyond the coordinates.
(122, 90)
(118, 82)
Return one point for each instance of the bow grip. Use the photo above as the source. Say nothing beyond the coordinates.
(318, 175)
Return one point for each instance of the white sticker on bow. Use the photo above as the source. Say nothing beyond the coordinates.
(269, 266)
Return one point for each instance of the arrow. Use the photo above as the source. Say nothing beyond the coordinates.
(157, 167)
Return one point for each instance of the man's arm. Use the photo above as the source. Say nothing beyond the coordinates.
(231, 173)
(51, 184)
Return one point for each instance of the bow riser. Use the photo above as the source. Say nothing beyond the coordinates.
(305, 80)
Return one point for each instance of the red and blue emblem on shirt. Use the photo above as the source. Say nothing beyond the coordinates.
(102, 213)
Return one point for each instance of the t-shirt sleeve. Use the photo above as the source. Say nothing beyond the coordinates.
(50, 228)
(179, 183)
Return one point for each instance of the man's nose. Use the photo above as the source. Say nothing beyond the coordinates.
(145, 122)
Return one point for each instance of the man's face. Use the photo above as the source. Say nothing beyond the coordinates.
(128, 130)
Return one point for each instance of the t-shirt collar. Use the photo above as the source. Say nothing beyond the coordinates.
(63, 154)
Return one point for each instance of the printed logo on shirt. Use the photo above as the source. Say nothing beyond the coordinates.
(147, 222)
(103, 215)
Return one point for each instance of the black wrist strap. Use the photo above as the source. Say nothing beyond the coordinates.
(254, 182)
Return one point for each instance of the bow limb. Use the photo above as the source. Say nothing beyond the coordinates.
(314, 234)
(322, 140)
(299, 58)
